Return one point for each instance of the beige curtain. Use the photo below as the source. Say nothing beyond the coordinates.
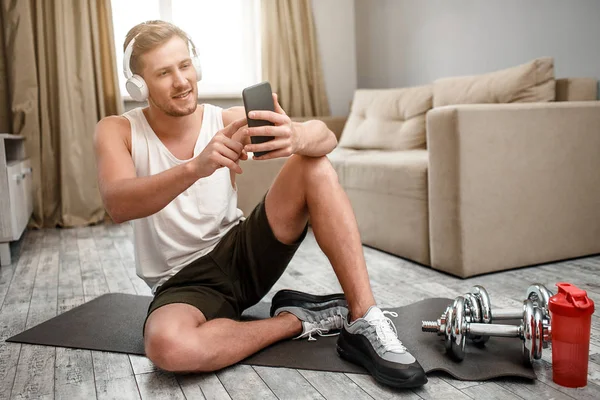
(62, 79)
(290, 57)
(4, 100)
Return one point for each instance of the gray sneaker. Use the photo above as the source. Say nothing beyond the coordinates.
(320, 315)
(372, 342)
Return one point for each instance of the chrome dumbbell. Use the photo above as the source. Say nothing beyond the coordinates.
(534, 331)
(478, 307)
(537, 293)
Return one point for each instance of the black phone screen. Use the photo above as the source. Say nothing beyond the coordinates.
(258, 97)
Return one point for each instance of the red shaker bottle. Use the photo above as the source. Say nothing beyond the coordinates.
(571, 314)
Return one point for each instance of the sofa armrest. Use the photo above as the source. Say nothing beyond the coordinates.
(512, 185)
(255, 181)
(335, 124)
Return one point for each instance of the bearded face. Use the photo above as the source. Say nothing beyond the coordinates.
(171, 78)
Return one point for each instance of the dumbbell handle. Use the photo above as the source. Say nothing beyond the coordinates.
(503, 314)
(476, 329)
(506, 314)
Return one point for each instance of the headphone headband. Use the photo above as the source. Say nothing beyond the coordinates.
(129, 51)
(127, 58)
(135, 85)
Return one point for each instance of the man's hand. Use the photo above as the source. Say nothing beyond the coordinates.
(222, 151)
(285, 140)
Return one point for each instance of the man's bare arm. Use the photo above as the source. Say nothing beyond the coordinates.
(125, 195)
(312, 138)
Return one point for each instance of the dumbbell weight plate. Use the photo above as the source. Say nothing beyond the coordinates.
(533, 332)
(474, 315)
(538, 319)
(458, 336)
(539, 295)
(483, 298)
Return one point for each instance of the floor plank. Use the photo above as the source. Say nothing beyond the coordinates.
(438, 389)
(141, 364)
(159, 385)
(35, 373)
(287, 383)
(74, 368)
(239, 378)
(12, 321)
(114, 376)
(93, 279)
(116, 277)
(490, 390)
(334, 385)
(377, 391)
(21, 286)
(532, 390)
(117, 388)
(6, 275)
(199, 386)
(138, 284)
(35, 369)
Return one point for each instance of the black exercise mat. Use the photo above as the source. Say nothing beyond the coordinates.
(113, 322)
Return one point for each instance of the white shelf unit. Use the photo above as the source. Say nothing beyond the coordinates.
(16, 195)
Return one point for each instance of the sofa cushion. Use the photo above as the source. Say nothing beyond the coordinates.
(576, 89)
(398, 173)
(529, 82)
(338, 158)
(339, 154)
(388, 119)
(388, 193)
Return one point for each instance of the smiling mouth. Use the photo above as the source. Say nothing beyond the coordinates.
(183, 95)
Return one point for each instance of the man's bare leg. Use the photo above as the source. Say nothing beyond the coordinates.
(178, 338)
(309, 186)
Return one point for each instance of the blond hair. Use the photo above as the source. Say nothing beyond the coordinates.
(148, 36)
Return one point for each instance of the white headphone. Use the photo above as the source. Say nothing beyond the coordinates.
(136, 86)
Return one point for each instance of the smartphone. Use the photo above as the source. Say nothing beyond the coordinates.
(258, 97)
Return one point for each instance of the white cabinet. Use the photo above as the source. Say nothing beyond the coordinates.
(16, 196)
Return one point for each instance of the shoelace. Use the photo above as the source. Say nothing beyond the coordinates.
(319, 327)
(387, 333)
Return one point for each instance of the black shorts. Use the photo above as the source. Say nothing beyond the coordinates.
(235, 275)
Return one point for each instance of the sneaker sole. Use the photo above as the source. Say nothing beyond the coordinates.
(362, 360)
(286, 298)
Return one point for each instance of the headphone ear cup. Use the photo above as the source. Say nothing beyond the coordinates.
(136, 87)
(196, 63)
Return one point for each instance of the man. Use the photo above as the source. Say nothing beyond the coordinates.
(170, 169)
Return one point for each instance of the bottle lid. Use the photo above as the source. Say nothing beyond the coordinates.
(571, 301)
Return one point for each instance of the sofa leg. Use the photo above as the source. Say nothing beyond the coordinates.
(4, 254)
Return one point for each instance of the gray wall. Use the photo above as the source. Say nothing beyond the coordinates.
(335, 30)
(409, 42)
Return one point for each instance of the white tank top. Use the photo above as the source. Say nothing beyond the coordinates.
(193, 223)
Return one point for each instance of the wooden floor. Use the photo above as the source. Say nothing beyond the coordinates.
(56, 270)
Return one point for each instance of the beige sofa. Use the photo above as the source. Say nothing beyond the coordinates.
(511, 181)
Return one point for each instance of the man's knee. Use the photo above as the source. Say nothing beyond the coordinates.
(169, 350)
(316, 169)
(163, 349)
